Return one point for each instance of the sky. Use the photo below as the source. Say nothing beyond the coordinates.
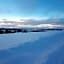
(10, 9)
(32, 48)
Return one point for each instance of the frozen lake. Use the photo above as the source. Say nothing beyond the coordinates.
(32, 48)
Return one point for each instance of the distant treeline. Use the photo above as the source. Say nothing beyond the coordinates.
(14, 30)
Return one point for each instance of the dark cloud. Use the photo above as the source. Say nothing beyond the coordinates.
(45, 21)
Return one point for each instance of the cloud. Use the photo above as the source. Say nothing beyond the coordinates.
(44, 26)
(37, 21)
(33, 23)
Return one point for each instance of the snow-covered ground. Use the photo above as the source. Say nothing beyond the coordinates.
(32, 48)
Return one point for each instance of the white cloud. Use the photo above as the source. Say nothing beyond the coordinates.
(32, 23)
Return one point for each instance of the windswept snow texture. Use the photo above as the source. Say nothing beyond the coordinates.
(32, 48)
